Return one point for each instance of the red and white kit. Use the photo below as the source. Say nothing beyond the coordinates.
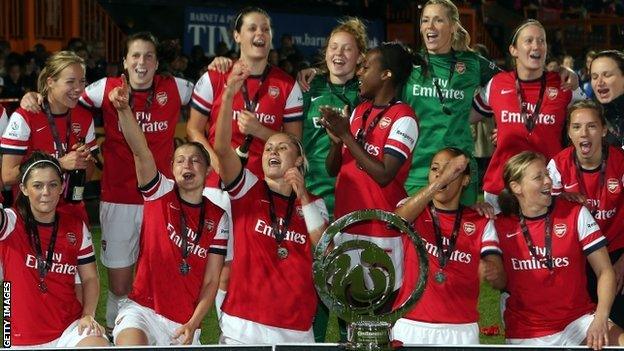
(500, 97)
(39, 317)
(607, 202)
(159, 283)
(265, 289)
(279, 101)
(455, 300)
(157, 111)
(543, 302)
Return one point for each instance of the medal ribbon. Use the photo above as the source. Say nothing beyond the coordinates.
(251, 105)
(43, 266)
(444, 254)
(279, 231)
(548, 241)
(55, 133)
(445, 108)
(361, 134)
(185, 229)
(530, 120)
(581, 182)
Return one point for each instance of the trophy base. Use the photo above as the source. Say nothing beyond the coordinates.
(369, 336)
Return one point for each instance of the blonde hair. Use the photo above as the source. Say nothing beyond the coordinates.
(461, 38)
(54, 65)
(349, 25)
(521, 26)
(513, 172)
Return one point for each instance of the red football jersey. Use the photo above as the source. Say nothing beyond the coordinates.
(39, 317)
(501, 98)
(542, 302)
(455, 300)
(396, 134)
(159, 283)
(264, 288)
(157, 111)
(606, 203)
(279, 101)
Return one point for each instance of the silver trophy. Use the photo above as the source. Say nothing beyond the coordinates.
(359, 292)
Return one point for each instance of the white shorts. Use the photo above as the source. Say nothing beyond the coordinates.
(238, 331)
(158, 329)
(393, 246)
(419, 333)
(573, 334)
(121, 228)
(69, 338)
(492, 200)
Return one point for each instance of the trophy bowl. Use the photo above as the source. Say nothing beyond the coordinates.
(356, 280)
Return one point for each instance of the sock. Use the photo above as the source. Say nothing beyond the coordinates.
(219, 301)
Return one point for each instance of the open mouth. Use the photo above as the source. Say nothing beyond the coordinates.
(274, 162)
(602, 91)
(585, 147)
(141, 72)
(545, 192)
(188, 176)
(535, 56)
(259, 43)
(338, 62)
(431, 36)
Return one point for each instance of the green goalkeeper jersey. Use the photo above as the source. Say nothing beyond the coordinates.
(436, 128)
(315, 139)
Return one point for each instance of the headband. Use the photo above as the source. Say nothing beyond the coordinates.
(522, 26)
(40, 162)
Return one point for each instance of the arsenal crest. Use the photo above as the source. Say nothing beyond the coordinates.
(273, 92)
(469, 228)
(161, 97)
(552, 93)
(560, 230)
(76, 128)
(613, 185)
(384, 122)
(71, 238)
(460, 67)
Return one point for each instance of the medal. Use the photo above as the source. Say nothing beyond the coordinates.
(43, 287)
(530, 119)
(282, 252)
(184, 267)
(440, 277)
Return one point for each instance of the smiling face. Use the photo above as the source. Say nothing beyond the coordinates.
(607, 80)
(448, 196)
(533, 188)
(141, 63)
(529, 50)
(254, 36)
(189, 167)
(436, 29)
(43, 189)
(342, 55)
(279, 155)
(371, 75)
(65, 89)
(586, 132)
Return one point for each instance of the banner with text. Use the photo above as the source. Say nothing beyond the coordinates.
(209, 26)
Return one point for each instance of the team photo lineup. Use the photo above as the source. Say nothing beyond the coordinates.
(228, 219)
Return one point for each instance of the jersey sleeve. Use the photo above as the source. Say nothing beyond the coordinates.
(320, 206)
(241, 185)
(402, 138)
(489, 240)
(4, 120)
(93, 95)
(8, 218)
(156, 188)
(185, 89)
(16, 136)
(481, 101)
(293, 111)
(553, 171)
(487, 69)
(219, 243)
(86, 253)
(589, 233)
(90, 140)
(203, 94)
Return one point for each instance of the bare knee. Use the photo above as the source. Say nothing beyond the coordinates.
(130, 337)
(93, 341)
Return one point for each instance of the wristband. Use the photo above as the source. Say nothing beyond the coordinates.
(312, 216)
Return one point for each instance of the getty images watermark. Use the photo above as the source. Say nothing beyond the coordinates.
(6, 314)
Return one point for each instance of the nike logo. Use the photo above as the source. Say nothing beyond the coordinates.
(40, 129)
(511, 235)
(506, 91)
(316, 98)
(568, 187)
